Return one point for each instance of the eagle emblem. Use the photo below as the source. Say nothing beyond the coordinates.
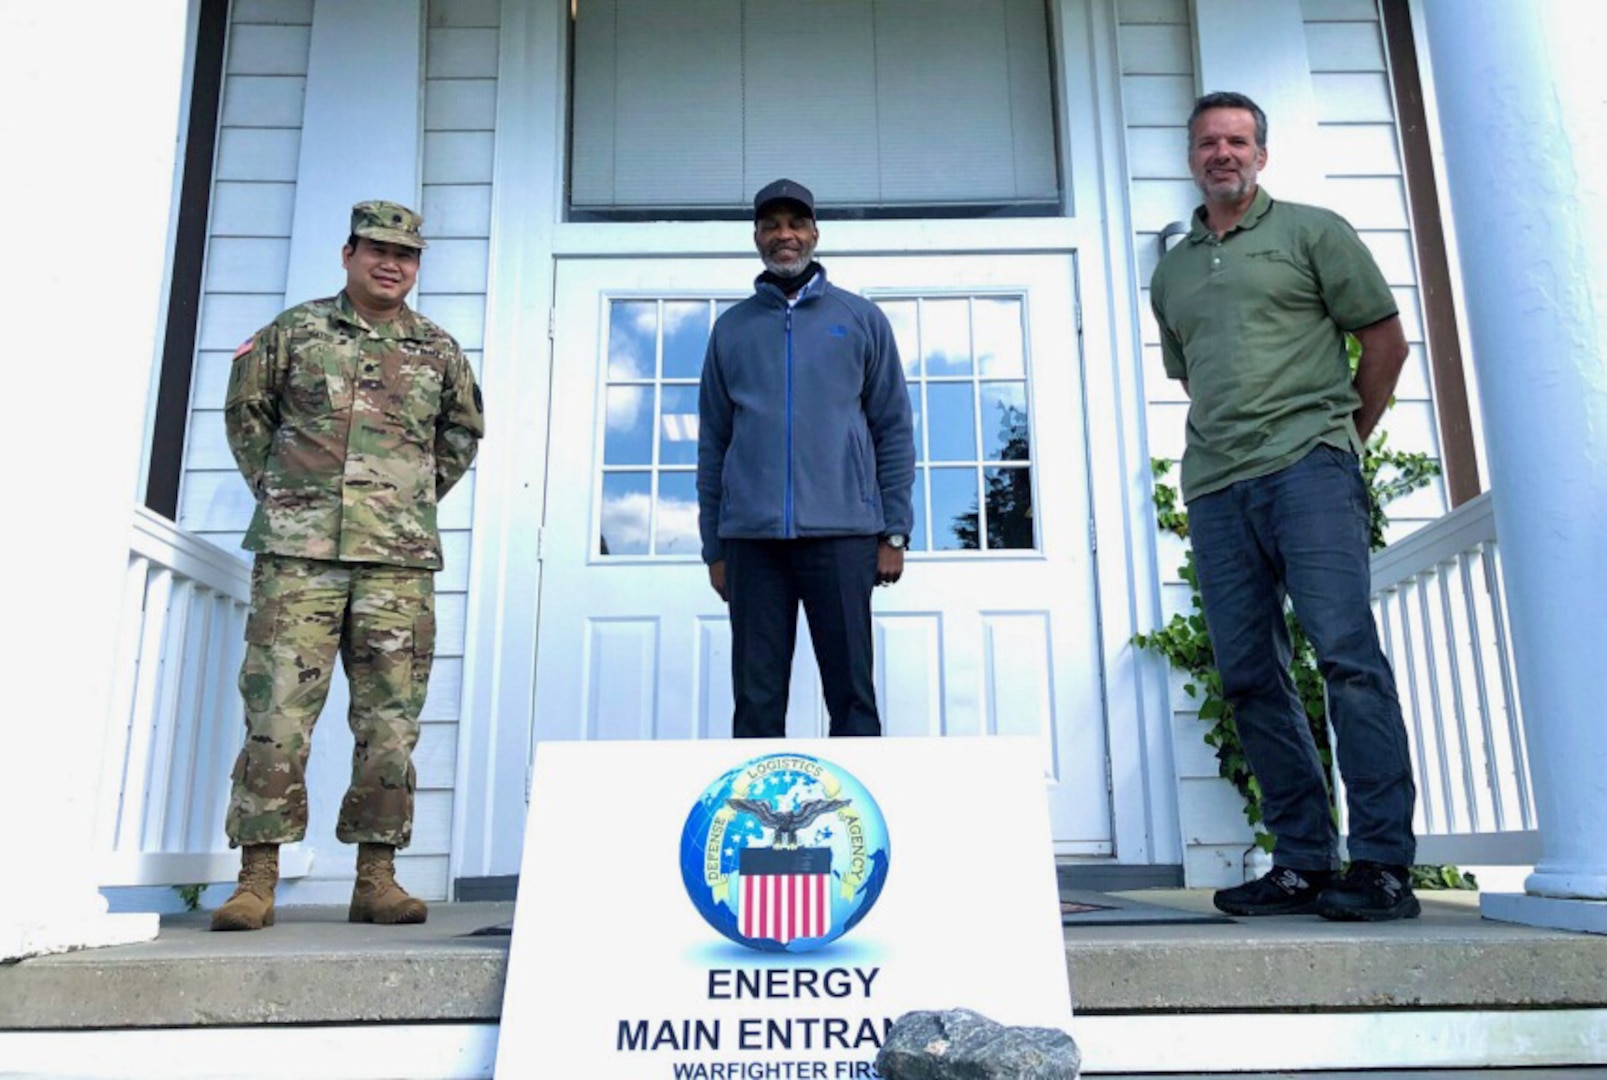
(786, 823)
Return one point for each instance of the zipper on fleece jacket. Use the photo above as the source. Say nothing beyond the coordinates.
(786, 524)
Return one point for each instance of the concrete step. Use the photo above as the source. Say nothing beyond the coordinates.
(1448, 990)
(1449, 958)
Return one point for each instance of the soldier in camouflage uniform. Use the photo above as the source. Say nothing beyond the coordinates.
(349, 418)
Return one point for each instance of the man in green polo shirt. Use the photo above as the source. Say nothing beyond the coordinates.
(1253, 308)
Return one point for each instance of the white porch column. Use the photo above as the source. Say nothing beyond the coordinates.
(1524, 123)
(90, 129)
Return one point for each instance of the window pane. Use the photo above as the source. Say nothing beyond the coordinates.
(1004, 422)
(954, 510)
(677, 514)
(917, 418)
(1009, 494)
(999, 352)
(629, 439)
(632, 330)
(677, 426)
(686, 337)
(627, 504)
(952, 435)
(901, 314)
(946, 337)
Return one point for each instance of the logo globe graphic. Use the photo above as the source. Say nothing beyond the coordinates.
(784, 853)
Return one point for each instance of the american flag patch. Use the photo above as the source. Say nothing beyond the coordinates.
(245, 346)
(786, 894)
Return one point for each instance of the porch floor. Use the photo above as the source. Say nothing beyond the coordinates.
(313, 968)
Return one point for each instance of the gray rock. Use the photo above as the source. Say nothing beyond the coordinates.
(963, 1045)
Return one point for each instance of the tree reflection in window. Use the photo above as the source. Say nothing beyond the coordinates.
(1006, 492)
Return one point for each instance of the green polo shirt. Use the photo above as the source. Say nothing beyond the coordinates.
(1255, 322)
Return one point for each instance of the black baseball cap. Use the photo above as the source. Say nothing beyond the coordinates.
(783, 191)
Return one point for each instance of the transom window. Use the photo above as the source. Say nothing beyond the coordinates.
(883, 108)
(966, 367)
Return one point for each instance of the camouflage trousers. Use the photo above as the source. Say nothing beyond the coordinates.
(381, 622)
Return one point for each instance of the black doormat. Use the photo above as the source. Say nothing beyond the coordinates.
(1084, 907)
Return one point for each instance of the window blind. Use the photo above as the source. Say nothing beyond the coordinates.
(692, 105)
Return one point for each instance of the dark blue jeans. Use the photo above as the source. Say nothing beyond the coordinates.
(1301, 533)
(832, 578)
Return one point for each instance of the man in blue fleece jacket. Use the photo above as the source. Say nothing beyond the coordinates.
(806, 461)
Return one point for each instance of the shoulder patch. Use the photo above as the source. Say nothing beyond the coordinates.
(245, 346)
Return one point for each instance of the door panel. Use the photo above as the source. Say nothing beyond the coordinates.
(993, 629)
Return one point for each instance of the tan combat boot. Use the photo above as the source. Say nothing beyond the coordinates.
(376, 897)
(251, 906)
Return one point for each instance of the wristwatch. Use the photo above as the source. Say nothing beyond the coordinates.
(897, 541)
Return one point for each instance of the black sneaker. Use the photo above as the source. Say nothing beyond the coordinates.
(1281, 891)
(1370, 892)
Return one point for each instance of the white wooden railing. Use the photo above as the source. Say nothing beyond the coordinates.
(1441, 611)
(176, 721)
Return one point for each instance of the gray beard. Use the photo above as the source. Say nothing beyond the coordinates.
(782, 269)
(1241, 188)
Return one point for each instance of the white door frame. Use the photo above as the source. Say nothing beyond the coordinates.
(528, 234)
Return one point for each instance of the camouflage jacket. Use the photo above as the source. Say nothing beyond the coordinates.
(348, 438)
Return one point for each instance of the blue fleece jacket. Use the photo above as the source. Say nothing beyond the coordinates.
(804, 423)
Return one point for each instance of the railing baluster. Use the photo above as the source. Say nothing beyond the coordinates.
(1509, 694)
(147, 695)
(173, 728)
(1420, 736)
(1443, 718)
(1454, 669)
(217, 729)
(1482, 687)
(178, 798)
(1467, 802)
(165, 714)
(114, 761)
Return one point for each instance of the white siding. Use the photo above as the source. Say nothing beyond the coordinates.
(1156, 46)
(460, 103)
(1362, 169)
(253, 196)
(1366, 183)
(249, 242)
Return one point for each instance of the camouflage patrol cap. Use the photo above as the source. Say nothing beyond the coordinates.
(388, 222)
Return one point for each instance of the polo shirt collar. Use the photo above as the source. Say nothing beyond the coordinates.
(1200, 231)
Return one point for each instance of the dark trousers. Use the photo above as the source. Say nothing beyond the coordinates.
(1302, 532)
(766, 581)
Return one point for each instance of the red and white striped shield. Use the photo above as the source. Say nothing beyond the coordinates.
(786, 893)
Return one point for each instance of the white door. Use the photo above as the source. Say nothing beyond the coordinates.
(993, 629)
